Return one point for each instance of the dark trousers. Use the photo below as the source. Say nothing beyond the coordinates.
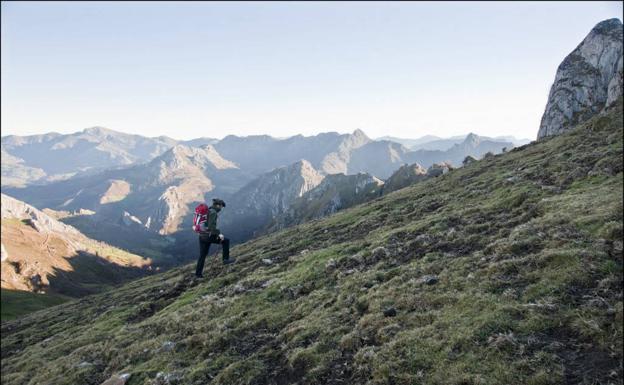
(204, 247)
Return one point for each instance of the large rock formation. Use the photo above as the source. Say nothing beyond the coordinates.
(588, 80)
(405, 176)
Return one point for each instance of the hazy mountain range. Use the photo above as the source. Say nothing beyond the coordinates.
(432, 142)
(147, 187)
(41, 159)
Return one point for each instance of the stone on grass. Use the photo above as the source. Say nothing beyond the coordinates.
(163, 378)
(330, 265)
(117, 379)
(167, 346)
(390, 312)
(429, 279)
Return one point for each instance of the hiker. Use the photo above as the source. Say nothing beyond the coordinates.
(205, 224)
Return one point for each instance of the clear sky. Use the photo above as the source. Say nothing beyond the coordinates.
(283, 68)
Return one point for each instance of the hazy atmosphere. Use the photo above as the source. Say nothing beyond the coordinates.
(191, 69)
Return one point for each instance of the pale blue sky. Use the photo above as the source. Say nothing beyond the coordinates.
(283, 68)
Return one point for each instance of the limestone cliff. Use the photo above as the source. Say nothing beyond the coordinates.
(588, 80)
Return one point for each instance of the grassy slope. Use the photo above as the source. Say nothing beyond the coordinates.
(17, 303)
(526, 246)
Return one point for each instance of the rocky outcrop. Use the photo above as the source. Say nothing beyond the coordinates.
(438, 169)
(587, 81)
(410, 174)
(405, 176)
(40, 221)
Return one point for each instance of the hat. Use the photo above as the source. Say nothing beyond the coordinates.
(217, 201)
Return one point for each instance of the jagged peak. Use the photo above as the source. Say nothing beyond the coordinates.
(360, 133)
(304, 164)
(199, 156)
(472, 139)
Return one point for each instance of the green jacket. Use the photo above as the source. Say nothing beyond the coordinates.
(211, 225)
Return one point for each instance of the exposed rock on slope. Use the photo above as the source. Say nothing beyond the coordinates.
(404, 176)
(588, 80)
(45, 254)
(159, 191)
(336, 192)
(40, 221)
(379, 158)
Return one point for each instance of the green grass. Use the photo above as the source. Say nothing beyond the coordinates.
(529, 290)
(17, 303)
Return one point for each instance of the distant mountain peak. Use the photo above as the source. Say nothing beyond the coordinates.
(198, 156)
(304, 164)
(99, 130)
(360, 133)
(472, 139)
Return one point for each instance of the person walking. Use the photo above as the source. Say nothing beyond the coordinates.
(205, 224)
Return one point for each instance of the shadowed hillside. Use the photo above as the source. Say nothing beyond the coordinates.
(506, 271)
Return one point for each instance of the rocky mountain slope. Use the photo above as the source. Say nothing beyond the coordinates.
(405, 176)
(156, 192)
(506, 271)
(266, 197)
(327, 152)
(142, 208)
(587, 81)
(41, 254)
(336, 192)
(379, 158)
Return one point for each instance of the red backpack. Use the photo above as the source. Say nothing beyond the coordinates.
(201, 216)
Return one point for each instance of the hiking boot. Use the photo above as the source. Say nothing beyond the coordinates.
(229, 261)
(199, 277)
